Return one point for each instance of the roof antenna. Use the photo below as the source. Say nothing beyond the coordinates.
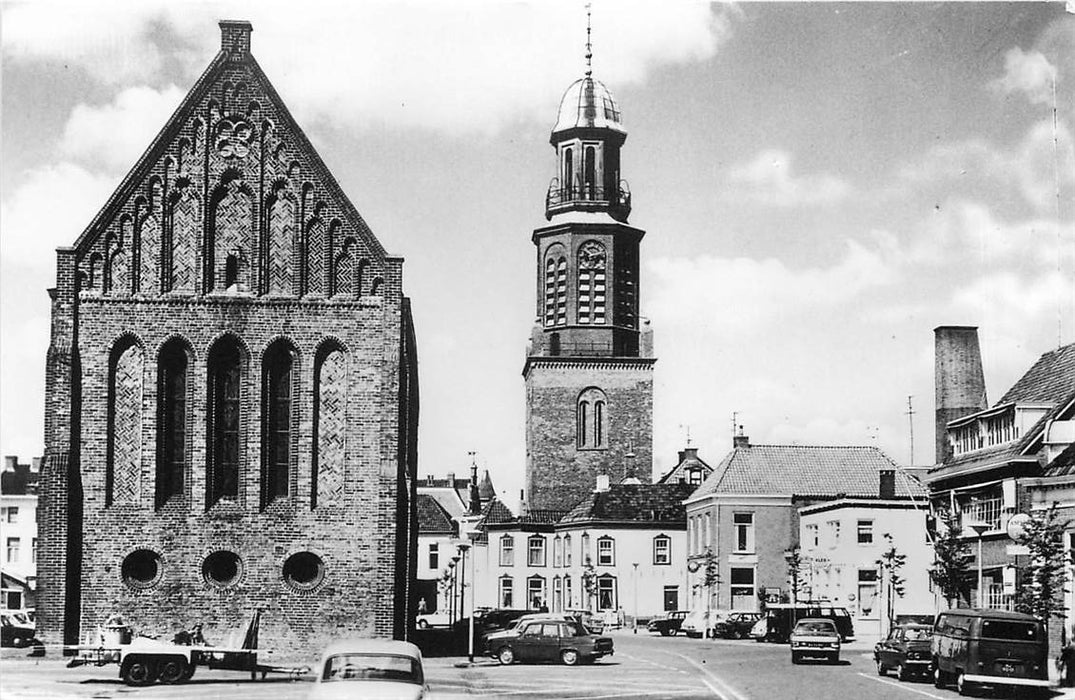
(589, 48)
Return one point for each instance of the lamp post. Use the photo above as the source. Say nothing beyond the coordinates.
(979, 528)
(453, 610)
(463, 547)
(635, 625)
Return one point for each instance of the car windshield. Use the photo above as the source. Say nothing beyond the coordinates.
(815, 627)
(373, 667)
(913, 634)
(1010, 630)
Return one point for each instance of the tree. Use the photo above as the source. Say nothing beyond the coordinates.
(951, 559)
(1041, 592)
(589, 582)
(890, 564)
(794, 560)
(710, 578)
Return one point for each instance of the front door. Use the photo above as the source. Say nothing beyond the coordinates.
(671, 598)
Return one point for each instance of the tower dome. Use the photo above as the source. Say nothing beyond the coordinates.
(587, 103)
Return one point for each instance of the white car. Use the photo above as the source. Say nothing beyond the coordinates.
(370, 668)
(436, 619)
(816, 637)
(701, 623)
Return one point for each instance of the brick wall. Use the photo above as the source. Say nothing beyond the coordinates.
(194, 247)
(558, 473)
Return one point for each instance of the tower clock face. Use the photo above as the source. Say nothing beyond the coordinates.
(592, 255)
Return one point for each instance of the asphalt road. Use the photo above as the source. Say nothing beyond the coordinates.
(643, 666)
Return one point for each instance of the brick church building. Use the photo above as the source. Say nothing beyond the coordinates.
(232, 398)
(589, 367)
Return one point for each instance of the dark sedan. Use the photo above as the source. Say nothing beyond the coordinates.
(551, 640)
(906, 650)
(737, 625)
(669, 624)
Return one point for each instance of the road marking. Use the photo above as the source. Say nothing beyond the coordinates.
(909, 689)
(725, 690)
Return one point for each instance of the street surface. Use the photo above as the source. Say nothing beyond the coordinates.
(643, 666)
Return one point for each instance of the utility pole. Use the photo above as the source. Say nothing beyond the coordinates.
(910, 422)
(735, 421)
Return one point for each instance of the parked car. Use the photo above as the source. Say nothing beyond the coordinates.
(990, 647)
(17, 629)
(906, 650)
(590, 621)
(760, 630)
(782, 617)
(699, 623)
(491, 639)
(668, 624)
(552, 640)
(737, 625)
(500, 618)
(815, 637)
(434, 619)
(385, 669)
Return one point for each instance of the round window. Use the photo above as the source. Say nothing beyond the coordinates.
(141, 568)
(222, 568)
(304, 570)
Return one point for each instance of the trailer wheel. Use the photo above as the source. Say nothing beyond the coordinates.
(173, 669)
(139, 671)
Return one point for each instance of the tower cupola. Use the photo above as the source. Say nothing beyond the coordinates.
(587, 138)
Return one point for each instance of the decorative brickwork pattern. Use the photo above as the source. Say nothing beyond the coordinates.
(331, 427)
(281, 246)
(344, 279)
(186, 224)
(126, 430)
(118, 273)
(233, 222)
(315, 258)
(150, 243)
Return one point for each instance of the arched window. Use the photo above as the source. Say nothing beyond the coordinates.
(589, 174)
(567, 592)
(507, 550)
(606, 551)
(567, 550)
(568, 179)
(557, 552)
(173, 367)
(585, 548)
(278, 383)
(591, 417)
(535, 546)
(224, 420)
(124, 458)
(607, 598)
(592, 283)
(557, 594)
(555, 287)
(535, 593)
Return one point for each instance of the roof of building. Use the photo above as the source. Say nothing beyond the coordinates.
(587, 103)
(485, 488)
(635, 503)
(804, 470)
(20, 479)
(1063, 465)
(688, 460)
(432, 518)
(1049, 380)
(496, 513)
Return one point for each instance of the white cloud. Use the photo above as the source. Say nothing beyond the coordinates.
(50, 209)
(768, 179)
(495, 62)
(1028, 73)
(112, 136)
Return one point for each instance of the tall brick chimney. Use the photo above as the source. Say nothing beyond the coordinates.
(959, 380)
(739, 440)
(886, 488)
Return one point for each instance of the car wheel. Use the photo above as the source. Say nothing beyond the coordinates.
(505, 656)
(139, 672)
(795, 658)
(672, 632)
(423, 624)
(962, 686)
(834, 658)
(173, 670)
(902, 674)
(738, 634)
(880, 668)
(938, 677)
(666, 632)
(570, 657)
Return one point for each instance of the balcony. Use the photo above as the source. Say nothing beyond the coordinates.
(555, 348)
(986, 510)
(995, 599)
(588, 198)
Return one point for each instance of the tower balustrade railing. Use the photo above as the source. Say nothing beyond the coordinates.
(562, 197)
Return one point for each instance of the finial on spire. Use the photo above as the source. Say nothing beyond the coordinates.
(589, 48)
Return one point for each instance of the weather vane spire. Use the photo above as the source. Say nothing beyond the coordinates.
(589, 48)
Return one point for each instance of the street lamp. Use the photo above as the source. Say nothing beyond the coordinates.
(980, 528)
(635, 564)
(452, 609)
(463, 547)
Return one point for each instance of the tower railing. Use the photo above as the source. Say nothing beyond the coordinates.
(588, 196)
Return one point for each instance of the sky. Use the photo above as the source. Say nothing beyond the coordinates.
(822, 184)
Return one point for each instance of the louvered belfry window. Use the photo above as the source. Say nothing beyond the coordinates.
(592, 283)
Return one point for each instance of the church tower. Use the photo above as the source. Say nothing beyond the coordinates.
(589, 367)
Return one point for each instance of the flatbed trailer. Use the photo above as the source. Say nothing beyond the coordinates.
(144, 661)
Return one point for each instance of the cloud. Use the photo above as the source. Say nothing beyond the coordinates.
(495, 62)
(1028, 73)
(747, 294)
(768, 179)
(50, 209)
(114, 135)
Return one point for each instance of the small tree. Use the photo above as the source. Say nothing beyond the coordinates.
(951, 559)
(589, 583)
(710, 578)
(890, 565)
(794, 560)
(1041, 592)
